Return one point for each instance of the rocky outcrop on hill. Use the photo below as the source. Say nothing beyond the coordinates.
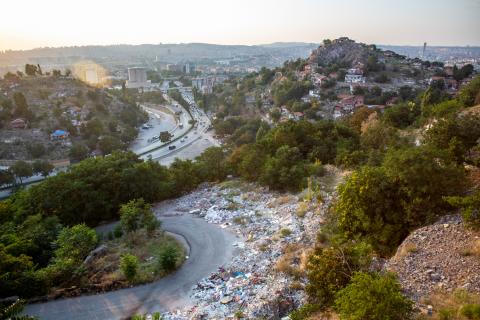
(441, 257)
(343, 51)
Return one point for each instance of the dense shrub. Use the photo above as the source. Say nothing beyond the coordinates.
(373, 296)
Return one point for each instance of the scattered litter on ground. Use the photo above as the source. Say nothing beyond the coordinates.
(252, 283)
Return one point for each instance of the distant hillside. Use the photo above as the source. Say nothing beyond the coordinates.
(170, 53)
(345, 52)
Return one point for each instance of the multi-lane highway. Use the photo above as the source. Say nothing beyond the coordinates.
(189, 140)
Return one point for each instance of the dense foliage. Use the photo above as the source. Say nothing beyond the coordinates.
(38, 251)
(372, 296)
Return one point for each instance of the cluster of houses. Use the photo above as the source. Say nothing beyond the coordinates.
(448, 81)
(286, 115)
(355, 75)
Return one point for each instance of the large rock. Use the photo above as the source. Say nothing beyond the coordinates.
(96, 253)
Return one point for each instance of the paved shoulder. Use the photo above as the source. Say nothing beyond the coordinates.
(210, 247)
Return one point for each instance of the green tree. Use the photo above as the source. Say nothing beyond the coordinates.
(286, 170)
(36, 150)
(42, 167)
(168, 258)
(75, 243)
(275, 115)
(469, 96)
(424, 176)
(329, 269)
(165, 136)
(6, 177)
(129, 266)
(373, 297)
(137, 214)
(369, 207)
(21, 170)
(469, 207)
(108, 144)
(212, 164)
(22, 109)
(31, 69)
(78, 152)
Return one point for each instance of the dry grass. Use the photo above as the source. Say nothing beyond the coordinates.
(285, 232)
(407, 249)
(282, 200)
(292, 260)
(302, 209)
(241, 220)
(473, 249)
(451, 306)
(324, 315)
(296, 286)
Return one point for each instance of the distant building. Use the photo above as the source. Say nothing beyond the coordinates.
(59, 135)
(206, 84)
(137, 78)
(189, 68)
(354, 78)
(175, 67)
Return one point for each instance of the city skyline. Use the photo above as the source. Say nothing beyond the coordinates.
(53, 23)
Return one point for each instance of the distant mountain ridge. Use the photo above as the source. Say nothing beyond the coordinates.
(164, 52)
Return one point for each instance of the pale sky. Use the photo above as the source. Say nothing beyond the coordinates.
(28, 24)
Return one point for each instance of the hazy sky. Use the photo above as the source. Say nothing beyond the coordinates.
(36, 23)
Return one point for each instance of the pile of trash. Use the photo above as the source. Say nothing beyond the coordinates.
(251, 285)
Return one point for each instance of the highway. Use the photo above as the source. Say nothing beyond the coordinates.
(210, 247)
(189, 142)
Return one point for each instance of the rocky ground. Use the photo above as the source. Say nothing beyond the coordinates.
(441, 257)
(266, 277)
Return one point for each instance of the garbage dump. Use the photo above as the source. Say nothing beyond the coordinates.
(253, 284)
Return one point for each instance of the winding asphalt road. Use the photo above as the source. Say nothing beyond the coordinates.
(210, 247)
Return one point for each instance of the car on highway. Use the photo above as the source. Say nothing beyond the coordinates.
(172, 147)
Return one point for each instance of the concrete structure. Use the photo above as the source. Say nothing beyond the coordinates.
(137, 78)
(189, 68)
(354, 78)
(206, 84)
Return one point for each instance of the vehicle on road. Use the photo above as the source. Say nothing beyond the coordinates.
(172, 147)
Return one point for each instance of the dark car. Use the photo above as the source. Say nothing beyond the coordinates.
(171, 147)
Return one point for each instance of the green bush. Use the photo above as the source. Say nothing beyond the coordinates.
(129, 266)
(137, 214)
(471, 311)
(469, 207)
(329, 270)
(118, 231)
(372, 296)
(446, 314)
(304, 311)
(168, 258)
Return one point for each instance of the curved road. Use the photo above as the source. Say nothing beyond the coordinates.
(210, 247)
